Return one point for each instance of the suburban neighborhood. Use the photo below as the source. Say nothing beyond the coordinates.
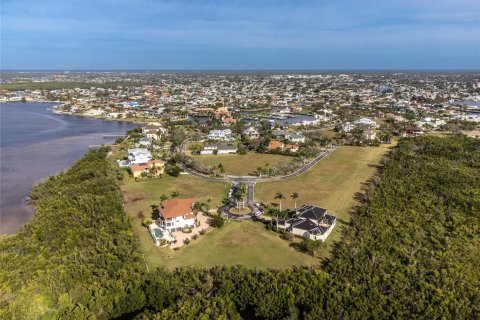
(229, 151)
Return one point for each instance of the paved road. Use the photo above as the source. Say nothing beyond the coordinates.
(250, 182)
(253, 179)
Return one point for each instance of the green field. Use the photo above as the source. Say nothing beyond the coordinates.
(235, 164)
(246, 243)
(138, 196)
(331, 184)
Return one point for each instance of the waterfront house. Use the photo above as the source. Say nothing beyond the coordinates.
(176, 214)
(139, 155)
(153, 132)
(144, 142)
(153, 167)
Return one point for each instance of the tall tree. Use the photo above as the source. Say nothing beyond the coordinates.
(294, 197)
(280, 197)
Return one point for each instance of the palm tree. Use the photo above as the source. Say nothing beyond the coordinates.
(221, 168)
(174, 194)
(280, 196)
(294, 196)
(197, 207)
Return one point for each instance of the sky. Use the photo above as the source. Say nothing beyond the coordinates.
(239, 35)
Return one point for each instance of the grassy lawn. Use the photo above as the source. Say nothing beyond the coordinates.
(331, 184)
(242, 164)
(243, 211)
(139, 196)
(246, 243)
(328, 132)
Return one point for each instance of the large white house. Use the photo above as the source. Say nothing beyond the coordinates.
(220, 135)
(139, 155)
(176, 214)
(310, 222)
(251, 133)
(366, 122)
(153, 132)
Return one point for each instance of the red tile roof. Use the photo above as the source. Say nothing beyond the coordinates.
(172, 208)
(146, 166)
(274, 144)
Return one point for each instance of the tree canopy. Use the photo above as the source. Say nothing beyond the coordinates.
(412, 250)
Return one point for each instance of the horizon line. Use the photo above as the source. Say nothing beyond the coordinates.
(248, 70)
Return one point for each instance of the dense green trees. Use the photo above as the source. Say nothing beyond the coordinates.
(77, 257)
(411, 251)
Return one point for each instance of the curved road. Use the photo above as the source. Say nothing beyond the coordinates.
(250, 181)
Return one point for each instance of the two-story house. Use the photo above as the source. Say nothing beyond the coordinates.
(176, 214)
(220, 135)
(139, 155)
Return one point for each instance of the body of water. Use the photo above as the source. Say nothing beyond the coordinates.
(35, 144)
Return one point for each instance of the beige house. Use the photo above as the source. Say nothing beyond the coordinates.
(152, 167)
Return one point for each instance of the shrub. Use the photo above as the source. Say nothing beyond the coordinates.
(187, 230)
(195, 237)
(202, 232)
(309, 246)
(147, 222)
(186, 241)
(217, 221)
(288, 236)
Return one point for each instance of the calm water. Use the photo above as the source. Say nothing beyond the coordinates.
(35, 144)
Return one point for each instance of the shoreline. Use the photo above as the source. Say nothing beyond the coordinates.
(54, 110)
(61, 103)
(25, 207)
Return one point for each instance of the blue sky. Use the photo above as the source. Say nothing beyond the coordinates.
(261, 34)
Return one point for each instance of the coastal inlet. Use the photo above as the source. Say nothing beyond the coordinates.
(36, 143)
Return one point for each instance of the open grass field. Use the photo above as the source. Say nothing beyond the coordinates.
(331, 184)
(139, 196)
(235, 164)
(237, 242)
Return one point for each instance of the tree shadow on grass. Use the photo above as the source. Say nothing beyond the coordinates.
(359, 197)
(155, 212)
